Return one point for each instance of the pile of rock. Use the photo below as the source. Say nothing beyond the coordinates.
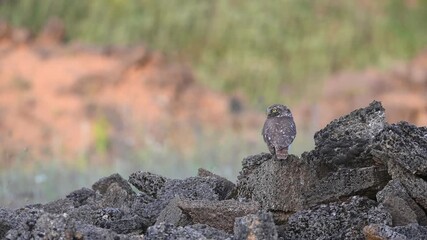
(364, 179)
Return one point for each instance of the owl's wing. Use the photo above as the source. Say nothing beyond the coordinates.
(282, 132)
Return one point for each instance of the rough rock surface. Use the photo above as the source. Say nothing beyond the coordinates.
(335, 221)
(147, 182)
(403, 147)
(340, 166)
(363, 177)
(195, 232)
(255, 227)
(384, 232)
(218, 214)
(403, 209)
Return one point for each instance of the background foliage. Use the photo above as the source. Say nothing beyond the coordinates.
(269, 50)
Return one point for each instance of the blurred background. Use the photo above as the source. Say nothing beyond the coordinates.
(90, 88)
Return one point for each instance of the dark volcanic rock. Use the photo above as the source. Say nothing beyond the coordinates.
(403, 147)
(7, 221)
(335, 220)
(224, 187)
(340, 166)
(170, 232)
(81, 197)
(54, 226)
(342, 142)
(103, 184)
(403, 209)
(173, 214)
(25, 220)
(267, 181)
(147, 182)
(255, 227)
(406, 145)
(218, 214)
(384, 232)
(194, 188)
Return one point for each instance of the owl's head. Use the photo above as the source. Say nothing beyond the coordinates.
(278, 110)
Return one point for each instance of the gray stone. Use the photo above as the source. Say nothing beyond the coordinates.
(87, 231)
(53, 226)
(7, 221)
(403, 209)
(196, 232)
(415, 186)
(343, 142)
(384, 232)
(147, 182)
(173, 214)
(404, 144)
(335, 220)
(103, 184)
(81, 196)
(217, 214)
(269, 182)
(403, 147)
(224, 187)
(340, 166)
(292, 185)
(25, 220)
(255, 226)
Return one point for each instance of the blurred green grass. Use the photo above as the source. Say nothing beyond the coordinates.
(273, 51)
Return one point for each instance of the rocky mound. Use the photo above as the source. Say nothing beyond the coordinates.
(365, 179)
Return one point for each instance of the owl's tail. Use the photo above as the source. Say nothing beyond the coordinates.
(282, 153)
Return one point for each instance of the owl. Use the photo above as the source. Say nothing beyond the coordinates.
(279, 130)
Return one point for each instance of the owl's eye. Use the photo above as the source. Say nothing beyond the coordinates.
(274, 110)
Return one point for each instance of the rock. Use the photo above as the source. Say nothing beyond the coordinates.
(224, 187)
(403, 148)
(217, 214)
(344, 182)
(335, 220)
(344, 141)
(340, 166)
(103, 184)
(415, 186)
(267, 181)
(82, 196)
(86, 231)
(255, 226)
(116, 196)
(404, 144)
(53, 226)
(25, 220)
(58, 206)
(173, 214)
(384, 232)
(403, 209)
(194, 188)
(169, 231)
(6, 221)
(147, 182)
(210, 232)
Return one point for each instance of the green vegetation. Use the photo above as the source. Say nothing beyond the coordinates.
(269, 50)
